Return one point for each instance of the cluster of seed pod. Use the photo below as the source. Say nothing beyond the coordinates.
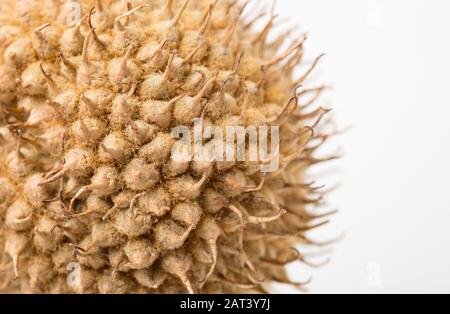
(86, 175)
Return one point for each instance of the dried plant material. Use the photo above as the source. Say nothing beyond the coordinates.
(92, 199)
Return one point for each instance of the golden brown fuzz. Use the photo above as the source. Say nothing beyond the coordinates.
(91, 200)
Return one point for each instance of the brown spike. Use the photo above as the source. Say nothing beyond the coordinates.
(159, 49)
(176, 99)
(67, 63)
(194, 52)
(260, 220)
(262, 36)
(46, 75)
(287, 53)
(110, 212)
(88, 103)
(84, 55)
(99, 5)
(249, 24)
(309, 71)
(205, 88)
(166, 75)
(238, 62)
(134, 200)
(243, 116)
(197, 186)
(322, 243)
(232, 28)
(124, 65)
(129, 8)
(97, 40)
(124, 99)
(117, 22)
(177, 17)
(321, 112)
(80, 192)
(291, 105)
(83, 214)
(244, 255)
(52, 105)
(213, 247)
(256, 188)
(117, 157)
(38, 30)
(230, 5)
(207, 19)
(235, 283)
(168, 8)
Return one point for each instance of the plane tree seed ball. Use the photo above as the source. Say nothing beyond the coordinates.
(89, 176)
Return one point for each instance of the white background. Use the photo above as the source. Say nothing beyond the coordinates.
(389, 63)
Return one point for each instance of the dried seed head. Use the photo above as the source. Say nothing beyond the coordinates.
(18, 162)
(169, 235)
(72, 40)
(188, 108)
(35, 192)
(15, 244)
(95, 102)
(19, 53)
(100, 17)
(141, 253)
(33, 80)
(159, 149)
(45, 41)
(131, 225)
(119, 285)
(67, 102)
(63, 257)
(156, 203)
(88, 131)
(187, 213)
(115, 148)
(140, 132)
(53, 139)
(122, 71)
(152, 279)
(78, 162)
(186, 187)
(94, 261)
(8, 83)
(153, 55)
(104, 183)
(7, 191)
(91, 194)
(174, 168)
(40, 270)
(123, 109)
(19, 216)
(46, 235)
(8, 33)
(234, 183)
(140, 176)
(178, 263)
(159, 112)
(168, 29)
(213, 201)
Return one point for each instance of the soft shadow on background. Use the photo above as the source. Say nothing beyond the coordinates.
(389, 64)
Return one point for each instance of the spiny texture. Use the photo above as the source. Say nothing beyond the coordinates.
(86, 174)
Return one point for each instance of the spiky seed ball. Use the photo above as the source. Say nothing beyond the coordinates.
(87, 105)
